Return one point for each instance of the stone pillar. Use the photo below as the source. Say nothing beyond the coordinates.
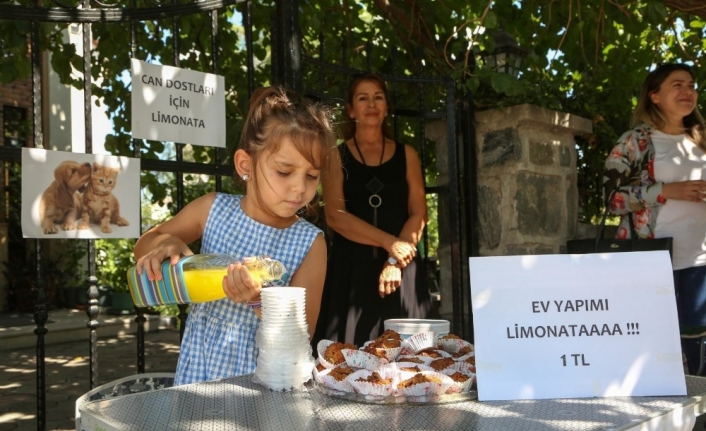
(526, 179)
(527, 194)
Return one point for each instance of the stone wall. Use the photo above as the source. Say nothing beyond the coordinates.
(527, 195)
(526, 181)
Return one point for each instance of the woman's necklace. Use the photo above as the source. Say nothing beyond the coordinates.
(374, 185)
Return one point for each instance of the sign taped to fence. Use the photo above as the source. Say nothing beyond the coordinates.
(569, 326)
(177, 105)
(76, 195)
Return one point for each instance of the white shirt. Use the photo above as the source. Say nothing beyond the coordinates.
(678, 158)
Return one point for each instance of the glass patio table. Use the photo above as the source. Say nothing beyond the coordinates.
(239, 404)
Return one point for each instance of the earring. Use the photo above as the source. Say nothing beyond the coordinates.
(246, 177)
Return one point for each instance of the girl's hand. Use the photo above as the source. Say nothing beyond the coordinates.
(151, 263)
(238, 285)
(694, 191)
(390, 280)
(402, 251)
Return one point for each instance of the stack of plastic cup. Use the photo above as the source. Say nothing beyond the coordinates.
(284, 359)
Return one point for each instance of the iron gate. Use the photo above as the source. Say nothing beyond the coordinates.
(309, 73)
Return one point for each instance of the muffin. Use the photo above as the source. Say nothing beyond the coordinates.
(459, 377)
(462, 383)
(389, 339)
(374, 378)
(361, 359)
(441, 363)
(373, 383)
(333, 353)
(432, 352)
(341, 372)
(462, 351)
(424, 384)
(452, 343)
(336, 378)
(417, 379)
(412, 359)
(383, 348)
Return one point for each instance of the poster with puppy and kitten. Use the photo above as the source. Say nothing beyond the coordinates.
(76, 195)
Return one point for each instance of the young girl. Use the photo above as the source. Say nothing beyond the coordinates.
(283, 149)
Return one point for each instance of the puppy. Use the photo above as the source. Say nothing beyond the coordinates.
(61, 202)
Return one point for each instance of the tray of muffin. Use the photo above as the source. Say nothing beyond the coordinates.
(422, 369)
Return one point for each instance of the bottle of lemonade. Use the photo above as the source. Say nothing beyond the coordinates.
(197, 278)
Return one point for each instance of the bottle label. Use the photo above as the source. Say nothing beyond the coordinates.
(198, 278)
(169, 290)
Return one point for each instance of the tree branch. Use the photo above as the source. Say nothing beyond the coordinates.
(395, 14)
(696, 7)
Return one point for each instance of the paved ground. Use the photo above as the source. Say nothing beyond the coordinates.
(67, 370)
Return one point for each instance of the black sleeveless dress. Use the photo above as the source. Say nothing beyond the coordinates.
(351, 308)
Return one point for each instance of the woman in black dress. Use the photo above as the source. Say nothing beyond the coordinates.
(375, 205)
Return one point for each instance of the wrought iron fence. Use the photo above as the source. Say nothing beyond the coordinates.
(153, 30)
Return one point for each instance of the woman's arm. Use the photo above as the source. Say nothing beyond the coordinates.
(311, 275)
(390, 277)
(629, 173)
(416, 202)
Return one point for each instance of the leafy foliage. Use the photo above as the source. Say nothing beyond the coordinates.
(585, 57)
(113, 259)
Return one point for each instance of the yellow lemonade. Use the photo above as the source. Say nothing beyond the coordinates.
(205, 285)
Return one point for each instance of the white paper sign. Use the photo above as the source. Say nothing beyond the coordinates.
(178, 105)
(569, 326)
(64, 195)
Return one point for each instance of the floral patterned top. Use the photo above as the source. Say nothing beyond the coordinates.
(629, 170)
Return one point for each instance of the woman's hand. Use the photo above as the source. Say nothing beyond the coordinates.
(170, 247)
(402, 251)
(239, 285)
(390, 279)
(694, 191)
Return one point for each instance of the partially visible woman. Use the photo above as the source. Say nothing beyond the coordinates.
(657, 171)
(375, 205)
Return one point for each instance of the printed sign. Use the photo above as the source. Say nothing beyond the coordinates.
(568, 326)
(75, 195)
(178, 105)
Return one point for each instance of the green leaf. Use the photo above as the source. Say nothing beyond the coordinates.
(503, 83)
(491, 20)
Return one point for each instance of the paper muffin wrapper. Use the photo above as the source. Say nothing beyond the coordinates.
(367, 388)
(360, 359)
(437, 366)
(400, 367)
(317, 374)
(331, 382)
(469, 358)
(392, 353)
(453, 345)
(389, 353)
(463, 367)
(321, 349)
(426, 360)
(461, 387)
(419, 341)
(439, 354)
(426, 389)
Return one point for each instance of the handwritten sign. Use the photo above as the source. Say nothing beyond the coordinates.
(567, 326)
(178, 105)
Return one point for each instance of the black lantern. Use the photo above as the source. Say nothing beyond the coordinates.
(507, 56)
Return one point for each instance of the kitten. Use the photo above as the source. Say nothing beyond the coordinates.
(99, 203)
